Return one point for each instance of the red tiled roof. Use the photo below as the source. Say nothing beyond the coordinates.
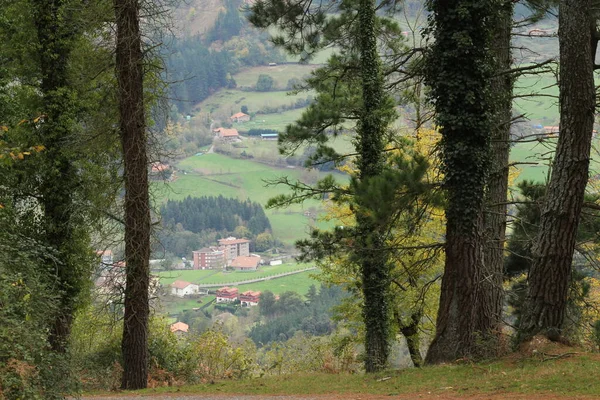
(239, 115)
(245, 262)
(224, 132)
(227, 290)
(180, 284)
(179, 326)
(251, 293)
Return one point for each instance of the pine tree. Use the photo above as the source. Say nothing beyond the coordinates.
(553, 249)
(130, 78)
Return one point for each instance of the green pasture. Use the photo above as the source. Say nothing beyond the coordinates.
(275, 121)
(299, 283)
(280, 73)
(216, 174)
(172, 305)
(268, 150)
(230, 101)
(200, 276)
(537, 156)
(542, 108)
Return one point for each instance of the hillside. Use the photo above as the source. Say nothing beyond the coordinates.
(551, 373)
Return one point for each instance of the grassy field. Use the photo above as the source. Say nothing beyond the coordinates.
(538, 156)
(216, 276)
(298, 283)
(216, 174)
(566, 376)
(541, 109)
(172, 305)
(280, 74)
(230, 101)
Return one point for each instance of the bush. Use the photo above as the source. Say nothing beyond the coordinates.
(265, 83)
(213, 356)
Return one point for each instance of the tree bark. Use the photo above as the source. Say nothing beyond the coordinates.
(59, 180)
(458, 72)
(129, 69)
(371, 253)
(410, 332)
(550, 273)
(489, 314)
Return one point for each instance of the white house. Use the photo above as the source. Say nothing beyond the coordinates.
(182, 288)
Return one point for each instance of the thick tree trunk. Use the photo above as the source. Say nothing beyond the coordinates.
(458, 72)
(550, 273)
(59, 179)
(137, 210)
(492, 293)
(456, 325)
(371, 253)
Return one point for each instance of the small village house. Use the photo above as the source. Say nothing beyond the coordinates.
(249, 298)
(180, 328)
(245, 263)
(227, 294)
(240, 117)
(183, 288)
(235, 247)
(227, 134)
(209, 258)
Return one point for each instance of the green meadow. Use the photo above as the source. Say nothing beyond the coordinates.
(280, 73)
(226, 278)
(216, 174)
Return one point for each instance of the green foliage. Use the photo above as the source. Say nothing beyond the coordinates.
(265, 83)
(215, 213)
(212, 356)
(228, 23)
(28, 367)
(290, 314)
(458, 69)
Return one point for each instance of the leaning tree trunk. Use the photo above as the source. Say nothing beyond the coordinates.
(550, 273)
(132, 125)
(371, 254)
(492, 293)
(410, 331)
(458, 72)
(58, 177)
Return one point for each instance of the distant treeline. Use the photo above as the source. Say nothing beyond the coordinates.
(198, 214)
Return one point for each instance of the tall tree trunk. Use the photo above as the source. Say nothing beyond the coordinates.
(59, 179)
(492, 293)
(370, 252)
(137, 210)
(458, 71)
(550, 273)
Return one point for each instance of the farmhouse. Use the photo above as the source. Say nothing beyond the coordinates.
(227, 134)
(180, 328)
(243, 263)
(227, 294)
(240, 117)
(209, 258)
(183, 288)
(235, 247)
(249, 298)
